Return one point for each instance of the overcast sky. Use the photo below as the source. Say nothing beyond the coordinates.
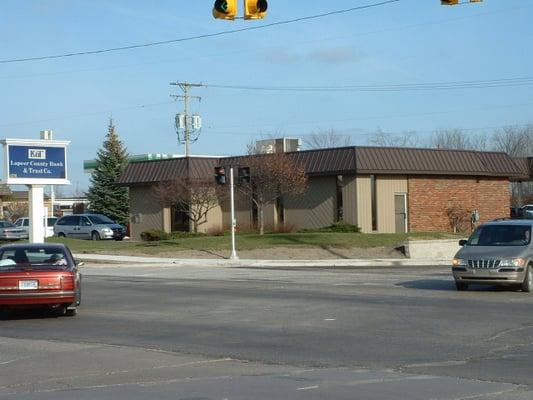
(410, 41)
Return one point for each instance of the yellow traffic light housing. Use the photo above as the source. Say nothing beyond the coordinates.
(225, 9)
(255, 9)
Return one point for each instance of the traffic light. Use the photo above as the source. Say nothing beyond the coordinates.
(255, 9)
(225, 9)
(220, 175)
(243, 174)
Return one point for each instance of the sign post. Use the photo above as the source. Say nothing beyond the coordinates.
(35, 163)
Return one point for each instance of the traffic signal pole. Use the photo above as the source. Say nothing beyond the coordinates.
(233, 221)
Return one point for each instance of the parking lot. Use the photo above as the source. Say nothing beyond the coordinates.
(284, 333)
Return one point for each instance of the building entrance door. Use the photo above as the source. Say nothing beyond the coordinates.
(400, 212)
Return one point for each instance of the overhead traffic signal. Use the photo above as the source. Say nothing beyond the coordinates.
(225, 9)
(255, 9)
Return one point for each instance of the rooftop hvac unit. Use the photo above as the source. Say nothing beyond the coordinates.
(282, 145)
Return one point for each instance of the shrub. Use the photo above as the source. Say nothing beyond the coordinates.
(154, 235)
(281, 228)
(337, 227)
(184, 235)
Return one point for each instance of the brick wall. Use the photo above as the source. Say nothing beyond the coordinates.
(431, 197)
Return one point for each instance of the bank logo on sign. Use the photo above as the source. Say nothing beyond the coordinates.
(37, 154)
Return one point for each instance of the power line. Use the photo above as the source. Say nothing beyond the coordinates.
(453, 85)
(366, 132)
(202, 36)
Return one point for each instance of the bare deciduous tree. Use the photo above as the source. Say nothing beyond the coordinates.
(272, 176)
(405, 139)
(517, 142)
(459, 140)
(513, 140)
(326, 139)
(15, 210)
(195, 197)
(458, 217)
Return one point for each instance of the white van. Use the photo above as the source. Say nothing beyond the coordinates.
(24, 223)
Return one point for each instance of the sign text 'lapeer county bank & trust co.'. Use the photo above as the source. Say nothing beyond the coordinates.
(34, 162)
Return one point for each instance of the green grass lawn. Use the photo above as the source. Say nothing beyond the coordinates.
(248, 242)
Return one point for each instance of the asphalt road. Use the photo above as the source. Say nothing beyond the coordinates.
(282, 333)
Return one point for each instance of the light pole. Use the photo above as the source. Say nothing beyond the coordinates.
(233, 221)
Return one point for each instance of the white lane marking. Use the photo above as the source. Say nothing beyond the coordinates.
(330, 319)
(308, 388)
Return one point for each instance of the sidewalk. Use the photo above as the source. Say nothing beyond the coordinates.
(134, 260)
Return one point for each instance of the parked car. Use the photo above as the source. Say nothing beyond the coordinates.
(498, 252)
(89, 226)
(24, 223)
(8, 231)
(39, 275)
(526, 211)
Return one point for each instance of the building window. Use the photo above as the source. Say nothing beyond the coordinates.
(373, 192)
(180, 220)
(339, 211)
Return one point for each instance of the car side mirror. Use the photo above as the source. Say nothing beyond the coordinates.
(462, 242)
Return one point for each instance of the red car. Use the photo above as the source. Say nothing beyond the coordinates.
(39, 275)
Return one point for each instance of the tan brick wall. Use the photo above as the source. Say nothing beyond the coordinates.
(430, 196)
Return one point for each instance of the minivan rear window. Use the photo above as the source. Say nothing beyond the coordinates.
(501, 235)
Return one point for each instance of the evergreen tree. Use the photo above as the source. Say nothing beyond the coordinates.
(105, 196)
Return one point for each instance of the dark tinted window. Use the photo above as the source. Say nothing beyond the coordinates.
(84, 221)
(26, 222)
(51, 221)
(501, 235)
(6, 224)
(100, 219)
(69, 220)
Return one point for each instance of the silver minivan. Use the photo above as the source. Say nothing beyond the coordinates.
(497, 253)
(88, 226)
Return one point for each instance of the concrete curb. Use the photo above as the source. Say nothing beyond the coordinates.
(133, 260)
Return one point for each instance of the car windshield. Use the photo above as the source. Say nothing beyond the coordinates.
(35, 257)
(100, 219)
(501, 235)
(51, 221)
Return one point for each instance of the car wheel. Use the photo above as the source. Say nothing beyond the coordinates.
(527, 285)
(61, 234)
(95, 236)
(71, 312)
(59, 311)
(461, 286)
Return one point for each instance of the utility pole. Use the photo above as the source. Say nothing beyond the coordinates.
(190, 125)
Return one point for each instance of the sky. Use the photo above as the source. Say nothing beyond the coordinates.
(405, 42)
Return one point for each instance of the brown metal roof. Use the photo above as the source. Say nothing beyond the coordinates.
(394, 160)
(525, 165)
(344, 160)
(147, 172)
